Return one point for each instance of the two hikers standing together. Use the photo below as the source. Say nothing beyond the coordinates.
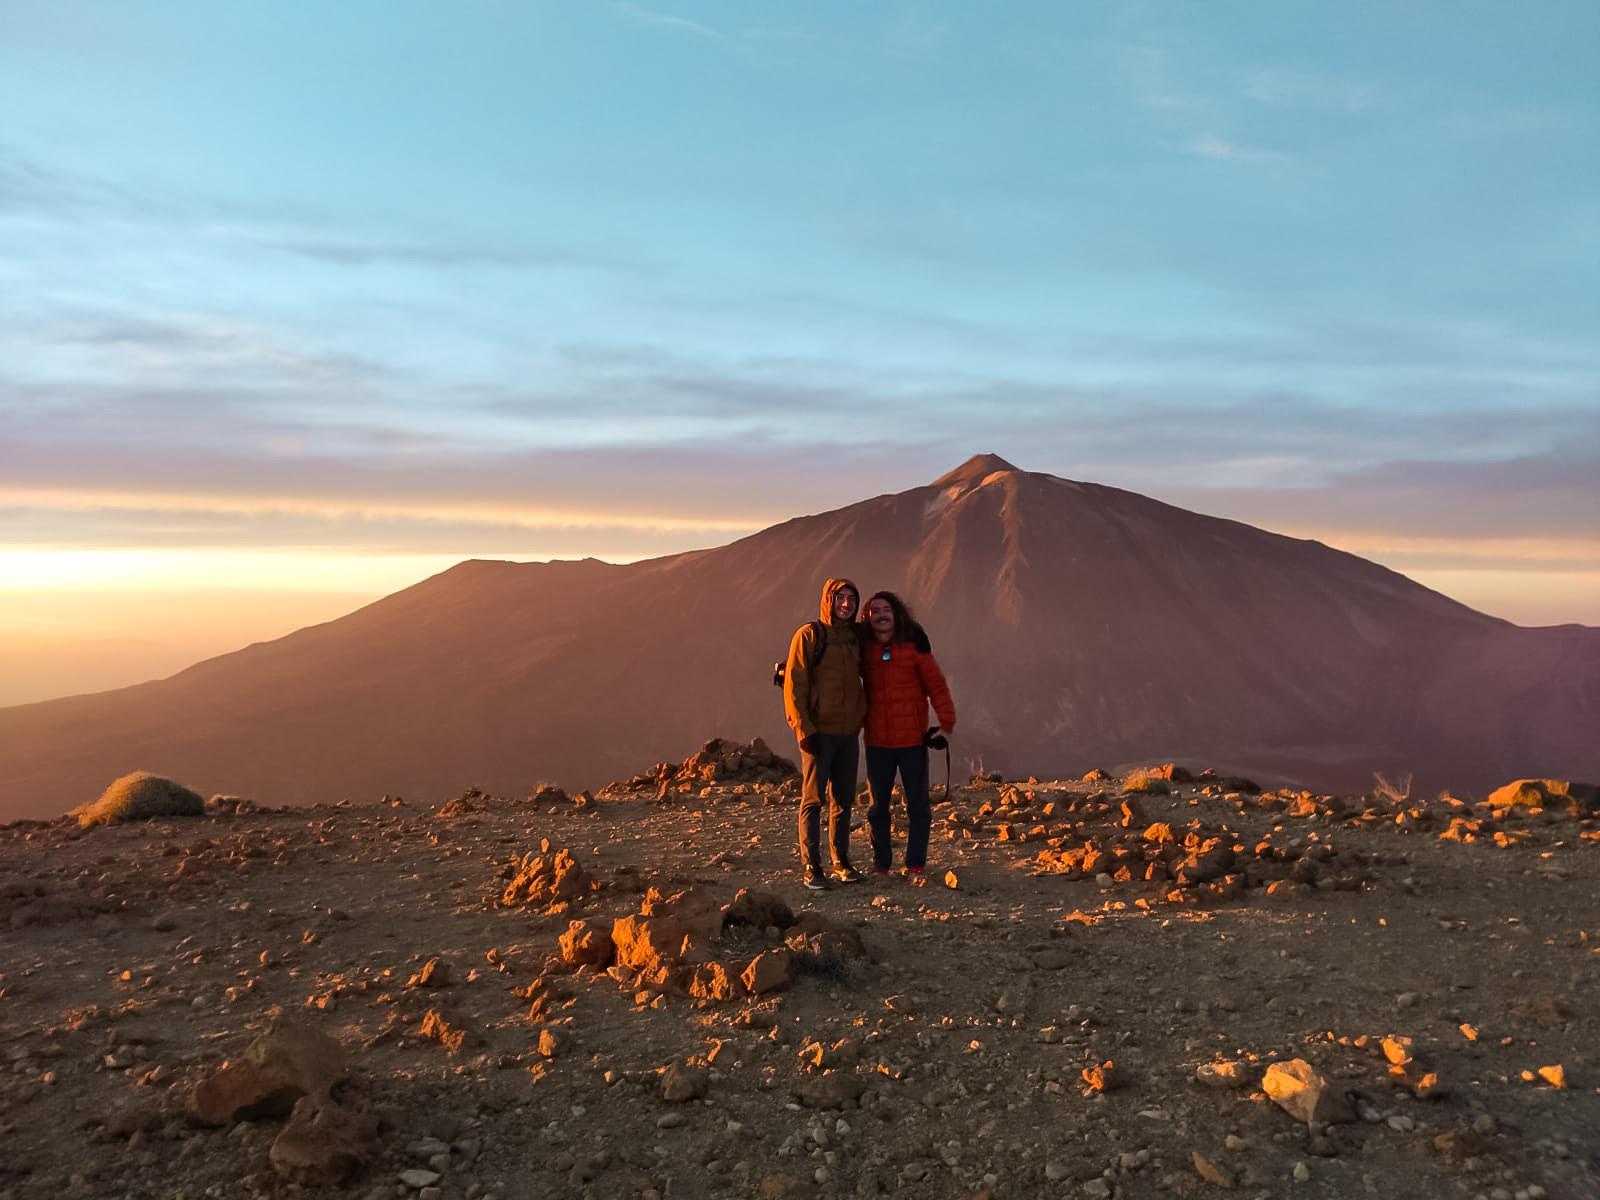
(843, 676)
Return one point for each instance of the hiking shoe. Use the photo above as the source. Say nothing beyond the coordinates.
(916, 876)
(814, 881)
(847, 874)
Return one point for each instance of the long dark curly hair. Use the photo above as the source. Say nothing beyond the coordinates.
(906, 628)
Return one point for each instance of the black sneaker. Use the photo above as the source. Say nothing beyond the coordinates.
(814, 881)
(847, 874)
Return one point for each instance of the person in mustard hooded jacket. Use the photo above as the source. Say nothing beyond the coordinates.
(826, 705)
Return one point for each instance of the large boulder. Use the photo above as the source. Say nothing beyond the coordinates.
(290, 1061)
(1581, 799)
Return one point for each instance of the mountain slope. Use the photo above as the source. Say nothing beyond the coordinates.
(1079, 625)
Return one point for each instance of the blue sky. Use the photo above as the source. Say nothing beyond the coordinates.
(370, 286)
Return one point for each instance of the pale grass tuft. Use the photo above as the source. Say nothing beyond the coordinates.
(139, 795)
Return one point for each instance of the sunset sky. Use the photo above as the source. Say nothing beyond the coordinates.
(300, 303)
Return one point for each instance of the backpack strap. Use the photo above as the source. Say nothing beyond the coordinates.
(819, 644)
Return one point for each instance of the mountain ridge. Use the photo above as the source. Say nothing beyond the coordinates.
(1080, 624)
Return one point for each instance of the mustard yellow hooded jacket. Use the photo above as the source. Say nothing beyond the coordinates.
(827, 697)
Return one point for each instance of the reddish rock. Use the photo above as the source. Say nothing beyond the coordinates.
(1305, 1093)
(696, 910)
(546, 878)
(323, 1143)
(647, 943)
(836, 1089)
(711, 981)
(770, 971)
(434, 974)
(681, 1082)
(588, 943)
(435, 1026)
(1579, 799)
(287, 1062)
(1202, 866)
(761, 909)
(1102, 1077)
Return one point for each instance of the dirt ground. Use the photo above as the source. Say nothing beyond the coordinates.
(959, 1050)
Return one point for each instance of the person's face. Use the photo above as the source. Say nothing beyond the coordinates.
(844, 604)
(880, 615)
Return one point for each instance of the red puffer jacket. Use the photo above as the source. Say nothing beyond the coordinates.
(902, 679)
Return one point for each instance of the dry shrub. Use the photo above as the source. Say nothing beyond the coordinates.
(1146, 780)
(1397, 793)
(139, 795)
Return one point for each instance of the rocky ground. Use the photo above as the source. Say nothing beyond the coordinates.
(558, 996)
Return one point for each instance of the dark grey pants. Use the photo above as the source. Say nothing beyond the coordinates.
(832, 765)
(912, 764)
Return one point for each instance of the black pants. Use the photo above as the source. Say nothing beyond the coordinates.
(832, 765)
(912, 764)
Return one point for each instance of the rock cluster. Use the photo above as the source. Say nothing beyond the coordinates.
(547, 877)
(1114, 842)
(687, 943)
(720, 761)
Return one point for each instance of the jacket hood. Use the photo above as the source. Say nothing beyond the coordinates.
(828, 589)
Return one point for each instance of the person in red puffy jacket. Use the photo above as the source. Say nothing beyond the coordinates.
(902, 679)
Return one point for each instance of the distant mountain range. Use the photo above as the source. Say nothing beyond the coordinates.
(1079, 625)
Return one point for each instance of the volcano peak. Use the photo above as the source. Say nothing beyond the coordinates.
(973, 472)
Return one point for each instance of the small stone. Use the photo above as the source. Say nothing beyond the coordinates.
(1102, 1077)
(1210, 1171)
(435, 973)
(417, 1179)
(681, 1083)
(1305, 1093)
(1222, 1074)
(671, 1120)
(1555, 1075)
(1302, 1173)
(1055, 1171)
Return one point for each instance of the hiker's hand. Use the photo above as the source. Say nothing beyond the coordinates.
(935, 740)
(808, 743)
